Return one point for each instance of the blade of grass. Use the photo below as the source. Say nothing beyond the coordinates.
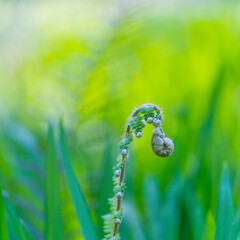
(53, 221)
(3, 222)
(78, 199)
(225, 212)
(17, 226)
(170, 216)
(205, 141)
(152, 203)
(211, 225)
(194, 212)
(236, 229)
(133, 223)
(105, 187)
(237, 220)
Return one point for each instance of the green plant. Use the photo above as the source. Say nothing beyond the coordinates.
(13, 227)
(163, 211)
(161, 145)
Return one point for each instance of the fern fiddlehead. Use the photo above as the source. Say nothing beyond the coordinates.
(162, 146)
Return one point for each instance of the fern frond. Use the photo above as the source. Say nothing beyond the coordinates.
(161, 146)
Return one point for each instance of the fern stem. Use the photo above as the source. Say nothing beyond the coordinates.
(121, 178)
(119, 201)
(162, 146)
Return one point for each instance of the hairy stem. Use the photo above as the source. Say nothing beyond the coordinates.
(162, 146)
(119, 201)
(124, 159)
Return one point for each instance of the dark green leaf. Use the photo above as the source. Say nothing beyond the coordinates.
(106, 186)
(170, 216)
(17, 226)
(195, 213)
(131, 223)
(78, 199)
(152, 203)
(53, 223)
(236, 229)
(3, 222)
(225, 212)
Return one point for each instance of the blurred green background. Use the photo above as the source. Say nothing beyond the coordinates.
(90, 63)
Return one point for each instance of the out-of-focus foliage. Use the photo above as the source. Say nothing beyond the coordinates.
(91, 63)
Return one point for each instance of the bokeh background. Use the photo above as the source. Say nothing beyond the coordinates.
(90, 63)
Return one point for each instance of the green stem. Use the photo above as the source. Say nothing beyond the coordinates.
(119, 201)
(124, 159)
(162, 146)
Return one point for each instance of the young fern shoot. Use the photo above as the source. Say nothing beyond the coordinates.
(161, 145)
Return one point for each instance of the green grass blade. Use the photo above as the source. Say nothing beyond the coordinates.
(53, 220)
(211, 224)
(170, 214)
(152, 203)
(78, 199)
(194, 213)
(3, 222)
(17, 226)
(236, 229)
(106, 185)
(132, 225)
(225, 212)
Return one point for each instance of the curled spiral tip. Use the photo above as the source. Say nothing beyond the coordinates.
(161, 145)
